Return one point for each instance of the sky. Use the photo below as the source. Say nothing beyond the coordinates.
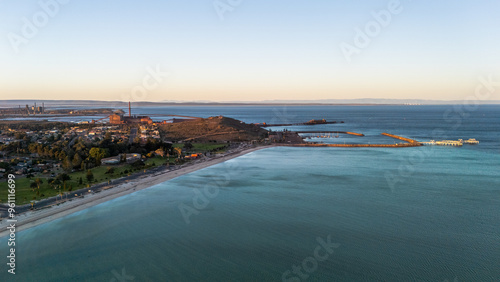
(242, 50)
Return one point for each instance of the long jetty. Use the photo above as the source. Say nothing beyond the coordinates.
(300, 123)
(410, 143)
(336, 132)
(354, 145)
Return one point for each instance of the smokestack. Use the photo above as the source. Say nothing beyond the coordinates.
(129, 112)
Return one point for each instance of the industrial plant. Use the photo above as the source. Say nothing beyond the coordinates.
(119, 118)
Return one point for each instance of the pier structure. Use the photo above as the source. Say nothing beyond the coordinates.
(444, 143)
(471, 141)
(456, 143)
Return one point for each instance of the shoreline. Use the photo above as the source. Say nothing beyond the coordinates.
(34, 218)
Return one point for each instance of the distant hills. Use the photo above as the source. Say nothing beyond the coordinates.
(384, 101)
(111, 104)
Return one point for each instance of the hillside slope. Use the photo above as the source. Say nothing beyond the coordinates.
(213, 129)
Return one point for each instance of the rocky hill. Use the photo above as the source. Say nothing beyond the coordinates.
(218, 129)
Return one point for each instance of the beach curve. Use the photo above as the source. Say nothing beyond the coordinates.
(34, 218)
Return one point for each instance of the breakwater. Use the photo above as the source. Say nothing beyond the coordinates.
(401, 138)
(354, 145)
(311, 122)
(335, 132)
(410, 142)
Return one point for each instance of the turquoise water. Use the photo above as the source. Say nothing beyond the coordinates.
(413, 214)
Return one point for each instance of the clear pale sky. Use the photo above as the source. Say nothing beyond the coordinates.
(261, 50)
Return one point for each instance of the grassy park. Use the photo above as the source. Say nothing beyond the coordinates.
(28, 189)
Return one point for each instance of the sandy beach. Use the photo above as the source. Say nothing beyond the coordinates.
(33, 218)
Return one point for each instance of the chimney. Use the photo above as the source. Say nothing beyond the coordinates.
(129, 112)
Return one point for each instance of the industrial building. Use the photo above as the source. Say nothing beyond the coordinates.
(28, 110)
(119, 118)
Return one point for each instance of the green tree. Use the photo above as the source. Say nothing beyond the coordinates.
(5, 166)
(55, 183)
(138, 164)
(67, 164)
(20, 135)
(90, 175)
(38, 182)
(77, 161)
(98, 154)
(188, 146)
(80, 146)
(178, 151)
(63, 177)
(107, 136)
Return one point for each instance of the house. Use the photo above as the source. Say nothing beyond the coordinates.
(111, 160)
(130, 158)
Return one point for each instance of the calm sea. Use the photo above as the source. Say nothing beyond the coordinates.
(315, 214)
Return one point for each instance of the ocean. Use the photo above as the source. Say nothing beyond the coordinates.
(298, 214)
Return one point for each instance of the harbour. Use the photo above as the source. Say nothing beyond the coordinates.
(288, 196)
